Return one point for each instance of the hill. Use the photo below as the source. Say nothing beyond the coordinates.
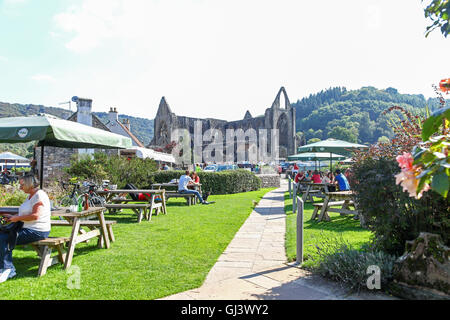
(140, 127)
(356, 115)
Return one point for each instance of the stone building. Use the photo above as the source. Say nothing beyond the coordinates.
(278, 116)
(56, 159)
(122, 128)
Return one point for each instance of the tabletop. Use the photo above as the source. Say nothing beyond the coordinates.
(62, 212)
(171, 184)
(150, 191)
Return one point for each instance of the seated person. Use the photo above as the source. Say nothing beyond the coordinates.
(185, 181)
(35, 215)
(316, 177)
(195, 178)
(329, 178)
(300, 177)
(341, 181)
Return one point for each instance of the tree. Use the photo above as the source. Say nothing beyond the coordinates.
(345, 134)
(313, 140)
(438, 11)
(383, 139)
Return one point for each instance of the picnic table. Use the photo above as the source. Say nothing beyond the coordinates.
(144, 208)
(100, 229)
(76, 219)
(314, 189)
(343, 199)
(175, 194)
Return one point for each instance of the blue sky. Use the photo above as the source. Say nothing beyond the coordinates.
(211, 58)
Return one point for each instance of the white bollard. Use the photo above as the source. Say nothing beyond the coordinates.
(299, 258)
(294, 199)
(290, 187)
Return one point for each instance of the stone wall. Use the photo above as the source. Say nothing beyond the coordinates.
(56, 159)
(269, 180)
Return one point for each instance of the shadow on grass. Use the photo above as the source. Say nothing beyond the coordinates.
(339, 223)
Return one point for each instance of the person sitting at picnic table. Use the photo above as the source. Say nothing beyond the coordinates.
(316, 177)
(329, 178)
(195, 178)
(341, 181)
(35, 215)
(185, 181)
(300, 177)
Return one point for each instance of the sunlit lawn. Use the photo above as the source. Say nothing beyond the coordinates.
(170, 254)
(315, 232)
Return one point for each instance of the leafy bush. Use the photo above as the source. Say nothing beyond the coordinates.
(390, 213)
(119, 170)
(11, 195)
(340, 262)
(225, 182)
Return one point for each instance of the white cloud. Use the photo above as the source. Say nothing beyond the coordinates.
(42, 78)
(220, 58)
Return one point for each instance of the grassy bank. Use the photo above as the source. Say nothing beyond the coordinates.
(170, 254)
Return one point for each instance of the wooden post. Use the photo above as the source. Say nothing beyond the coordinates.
(299, 257)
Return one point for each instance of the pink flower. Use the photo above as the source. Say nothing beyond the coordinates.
(409, 182)
(405, 161)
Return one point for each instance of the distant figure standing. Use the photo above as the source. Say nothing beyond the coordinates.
(33, 170)
(295, 170)
(165, 167)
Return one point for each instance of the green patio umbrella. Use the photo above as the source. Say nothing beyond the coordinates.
(315, 156)
(55, 132)
(9, 156)
(330, 146)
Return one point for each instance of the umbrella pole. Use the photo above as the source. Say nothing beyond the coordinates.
(331, 162)
(41, 171)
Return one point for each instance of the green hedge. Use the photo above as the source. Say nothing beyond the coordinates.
(392, 214)
(225, 182)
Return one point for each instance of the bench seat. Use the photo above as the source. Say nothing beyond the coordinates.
(190, 198)
(318, 206)
(44, 250)
(89, 223)
(139, 208)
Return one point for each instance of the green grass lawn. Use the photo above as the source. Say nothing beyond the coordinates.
(169, 254)
(315, 232)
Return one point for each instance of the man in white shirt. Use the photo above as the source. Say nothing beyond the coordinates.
(184, 182)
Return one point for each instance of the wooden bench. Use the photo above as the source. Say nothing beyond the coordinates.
(91, 224)
(44, 250)
(141, 209)
(190, 198)
(318, 206)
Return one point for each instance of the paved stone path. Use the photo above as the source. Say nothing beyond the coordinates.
(254, 265)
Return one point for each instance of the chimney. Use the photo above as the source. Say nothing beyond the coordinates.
(113, 116)
(84, 111)
(126, 123)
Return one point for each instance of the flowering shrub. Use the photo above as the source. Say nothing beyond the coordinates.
(428, 167)
(392, 214)
(408, 176)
